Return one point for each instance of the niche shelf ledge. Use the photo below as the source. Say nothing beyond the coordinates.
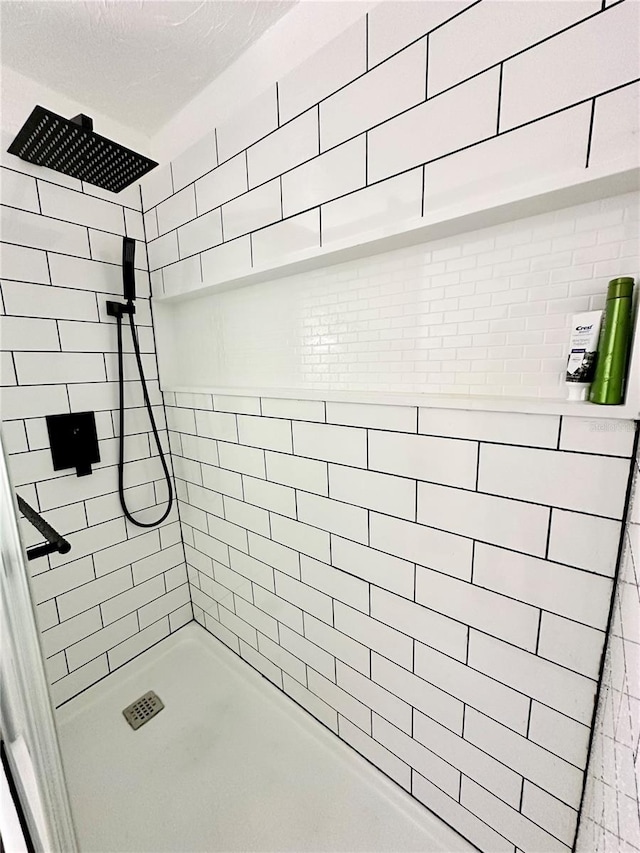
(516, 203)
(528, 405)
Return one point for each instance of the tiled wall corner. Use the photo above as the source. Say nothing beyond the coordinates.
(610, 817)
(120, 589)
(385, 569)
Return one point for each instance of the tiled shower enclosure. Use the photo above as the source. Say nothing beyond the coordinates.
(432, 582)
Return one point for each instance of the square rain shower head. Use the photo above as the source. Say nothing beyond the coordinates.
(70, 146)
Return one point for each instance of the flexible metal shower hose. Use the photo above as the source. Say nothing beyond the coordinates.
(136, 347)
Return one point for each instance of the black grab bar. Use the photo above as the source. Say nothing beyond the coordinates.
(54, 542)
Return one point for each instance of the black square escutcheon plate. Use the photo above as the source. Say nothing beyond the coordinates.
(74, 441)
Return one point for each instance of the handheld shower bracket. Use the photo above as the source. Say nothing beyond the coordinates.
(119, 309)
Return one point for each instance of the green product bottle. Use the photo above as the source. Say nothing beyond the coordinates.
(613, 346)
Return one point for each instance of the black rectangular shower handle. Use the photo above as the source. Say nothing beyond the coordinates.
(128, 269)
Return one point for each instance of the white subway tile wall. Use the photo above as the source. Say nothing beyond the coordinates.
(395, 585)
(341, 133)
(610, 818)
(569, 67)
(377, 130)
(513, 27)
(120, 589)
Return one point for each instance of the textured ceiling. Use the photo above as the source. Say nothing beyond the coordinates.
(136, 61)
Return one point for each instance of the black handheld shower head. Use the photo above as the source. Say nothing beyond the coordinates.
(70, 146)
(128, 270)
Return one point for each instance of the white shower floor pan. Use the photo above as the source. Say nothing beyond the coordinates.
(229, 764)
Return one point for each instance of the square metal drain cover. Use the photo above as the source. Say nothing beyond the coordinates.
(143, 709)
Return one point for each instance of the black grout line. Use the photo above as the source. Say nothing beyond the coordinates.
(538, 634)
(499, 99)
(46, 255)
(320, 151)
(529, 720)
(590, 136)
(39, 202)
(548, 541)
(277, 105)
(366, 158)
(426, 70)
(366, 42)
(55, 602)
(215, 138)
(12, 357)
